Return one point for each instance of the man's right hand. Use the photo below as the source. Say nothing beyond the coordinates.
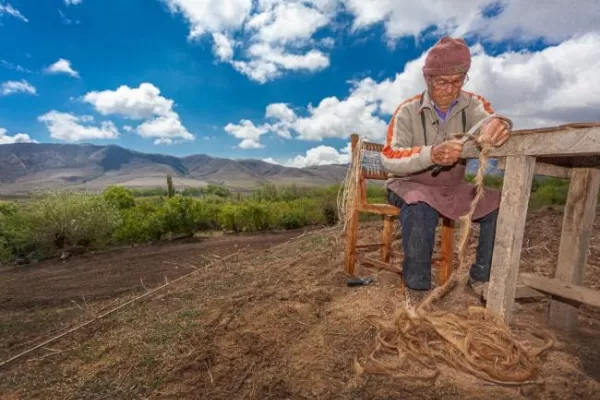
(446, 153)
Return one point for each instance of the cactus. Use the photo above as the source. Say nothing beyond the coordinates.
(170, 189)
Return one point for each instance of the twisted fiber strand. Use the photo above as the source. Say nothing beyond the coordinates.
(476, 342)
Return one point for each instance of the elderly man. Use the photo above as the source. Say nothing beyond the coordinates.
(420, 136)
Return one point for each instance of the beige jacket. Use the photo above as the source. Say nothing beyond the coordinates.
(406, 152)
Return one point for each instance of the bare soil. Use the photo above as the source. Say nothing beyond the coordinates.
(276, 321)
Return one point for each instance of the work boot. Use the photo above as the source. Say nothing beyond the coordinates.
(476, 287)
(415, 297)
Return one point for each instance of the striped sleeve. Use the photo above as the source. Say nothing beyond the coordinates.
(481, 108)
(399, 157)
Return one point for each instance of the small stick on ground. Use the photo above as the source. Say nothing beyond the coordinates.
(209, 373)
(53, 339)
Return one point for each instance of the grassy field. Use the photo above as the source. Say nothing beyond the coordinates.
(44, 224)
(264, 316)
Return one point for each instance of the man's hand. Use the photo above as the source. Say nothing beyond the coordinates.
(446, 153)
(495, 133)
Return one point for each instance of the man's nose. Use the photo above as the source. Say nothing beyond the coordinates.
(448, 88)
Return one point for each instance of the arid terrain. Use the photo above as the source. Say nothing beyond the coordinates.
(27, 167)
(275, 320)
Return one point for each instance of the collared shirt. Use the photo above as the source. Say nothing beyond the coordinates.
(443, 115)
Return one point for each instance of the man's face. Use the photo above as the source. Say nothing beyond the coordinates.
(445, 89)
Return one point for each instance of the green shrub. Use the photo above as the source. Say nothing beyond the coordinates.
(551, 191)
(140, 224)
(6, 255)
(489, 181)
(177, 215)
(206, 214)
(119, 197)
(52, 221)
(227, 218)
(216, 190)
(59, 219)
(266, 192)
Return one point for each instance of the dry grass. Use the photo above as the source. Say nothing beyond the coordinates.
(274, 324)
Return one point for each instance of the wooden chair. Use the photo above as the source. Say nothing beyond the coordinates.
(372, 169)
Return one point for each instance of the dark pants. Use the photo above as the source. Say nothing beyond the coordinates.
(419, 222)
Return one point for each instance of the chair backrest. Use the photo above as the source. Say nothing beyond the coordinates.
(371, 166)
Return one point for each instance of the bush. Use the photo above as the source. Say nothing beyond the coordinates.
(489, 181)
(140, 224)
(177, 215)
(56, 220)
(119, 197)
(42, 224)
(72, 218)
(16, 236)
(216, 190)
(551, 191)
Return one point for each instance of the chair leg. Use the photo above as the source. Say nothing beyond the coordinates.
(388, 231)
(351, 240)
(447, 250)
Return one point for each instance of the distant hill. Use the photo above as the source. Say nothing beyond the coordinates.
(25, 167)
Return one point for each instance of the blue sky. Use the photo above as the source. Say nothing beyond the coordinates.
(283, 80)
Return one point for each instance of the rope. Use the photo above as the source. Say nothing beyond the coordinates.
(476, 342)
(346, 199)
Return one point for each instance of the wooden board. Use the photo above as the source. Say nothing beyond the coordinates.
(522, 291)
(579, 294)
(578, 221)
(544, 168)
(509, 235)
(553, 143)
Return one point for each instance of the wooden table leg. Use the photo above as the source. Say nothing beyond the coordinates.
(578, 221)
(388, 232)
(510, 228)
(351, 240)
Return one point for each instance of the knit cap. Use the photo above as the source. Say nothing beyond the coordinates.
(448, 56)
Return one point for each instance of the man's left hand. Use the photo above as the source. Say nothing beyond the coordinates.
(495, 133)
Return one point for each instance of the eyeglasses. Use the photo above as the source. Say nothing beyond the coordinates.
(442, 83)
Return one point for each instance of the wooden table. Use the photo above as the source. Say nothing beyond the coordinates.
(566, 151)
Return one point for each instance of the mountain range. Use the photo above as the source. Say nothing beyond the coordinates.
(25, 167)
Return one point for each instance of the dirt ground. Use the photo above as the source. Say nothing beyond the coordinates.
(274, 321)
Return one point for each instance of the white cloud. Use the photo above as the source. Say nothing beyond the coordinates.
(18, 138)
(142, 103)
(10, 10)
(411, 18)
(73, 128)
(286, 22)
(523, 20)
(62, 66)
(249, 134)
(557, 85)
(22, 86)
(211, 15)
(280, 111)
(276, 37)
(268, 62)
(165, 128)
(66, 19)
(320, 155)
(15, 67)
(73, 2)
(223, 46)
(527, 20)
